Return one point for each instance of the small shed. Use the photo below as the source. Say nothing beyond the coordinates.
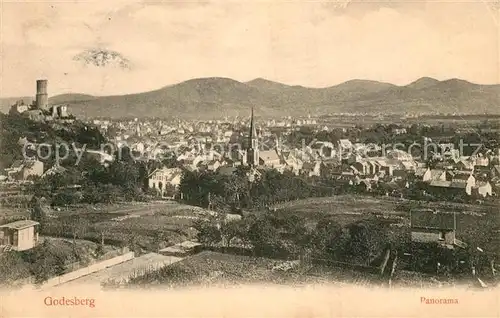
(19, 235)
(434, 227)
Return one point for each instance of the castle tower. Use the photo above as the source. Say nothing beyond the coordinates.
(253, 141)
(42, 97)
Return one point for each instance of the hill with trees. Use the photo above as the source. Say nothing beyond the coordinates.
(204, 98)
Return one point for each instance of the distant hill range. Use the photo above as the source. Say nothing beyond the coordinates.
(217, 97)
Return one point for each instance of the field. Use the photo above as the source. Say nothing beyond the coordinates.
(476, 224)
(149, 225)
(211, 268)
(216, 269)
(157, 224)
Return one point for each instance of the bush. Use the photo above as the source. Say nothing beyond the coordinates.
(66, 198)
(45, 261)
(367, 238)
(12, 268)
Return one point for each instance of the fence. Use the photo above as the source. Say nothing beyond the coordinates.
(88, 270)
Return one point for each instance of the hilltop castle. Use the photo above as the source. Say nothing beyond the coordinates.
(40, 109)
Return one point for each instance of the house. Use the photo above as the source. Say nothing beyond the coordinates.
(386, 167)
(344, 145)
(294, 164)
(100, 156)
(460, 183)
(362, 167)
(56, 169)
(254, 175)
(399, 155)
(409, 165)
(464, 164)
(433, 227)
(213, 165)
(269, 158)
(423, 174)
(363, 185)
(311, 168)
(19, 236)
(482, 189)
(210, 165)
(373, 166)
(22, 169)
(400, 172)
(463, 180)
(437, 175)
(166, 181)
(495, 171)
(19, 107)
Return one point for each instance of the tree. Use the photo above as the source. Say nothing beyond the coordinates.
(327, 237)
(233, 229)
(12, 268)
(37, 212)
(66, 198)
(158, 239)
(367, 238)
(265, 238)
(208, 232)
(45, 262)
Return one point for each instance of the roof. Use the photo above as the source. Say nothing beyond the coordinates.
(269, 155)
(455, 184)
(227, 170)
(17, 164)
(481, 184)
(431, 220)
(55, 169)
(373, 163)
(497, 168)
(382, 162)
(407, 164)
(346, 143)
(435, 173)
(420, 171)
(459, 175)
(188, 244)
(19, 225)
(440, 183)
(465, 163)
(167, 172)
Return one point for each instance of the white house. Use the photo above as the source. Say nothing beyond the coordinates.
(166, 181)
(482, 189)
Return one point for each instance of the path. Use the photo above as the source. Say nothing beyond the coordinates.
(124, 270)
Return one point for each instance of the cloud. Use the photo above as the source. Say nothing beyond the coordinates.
(306, 43)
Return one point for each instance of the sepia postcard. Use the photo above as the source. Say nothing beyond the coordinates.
(246, 158)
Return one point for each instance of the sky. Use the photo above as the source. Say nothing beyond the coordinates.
(309, 43)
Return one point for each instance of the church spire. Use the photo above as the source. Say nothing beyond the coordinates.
(253, 150)
(253, 131)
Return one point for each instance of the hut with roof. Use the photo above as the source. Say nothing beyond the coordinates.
(435, 227)
(19, 235)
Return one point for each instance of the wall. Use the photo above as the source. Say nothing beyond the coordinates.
(424, 236)
(88, 270)
(429, 236)
(26, 239)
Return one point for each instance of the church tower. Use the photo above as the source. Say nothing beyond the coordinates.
(253, 150)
